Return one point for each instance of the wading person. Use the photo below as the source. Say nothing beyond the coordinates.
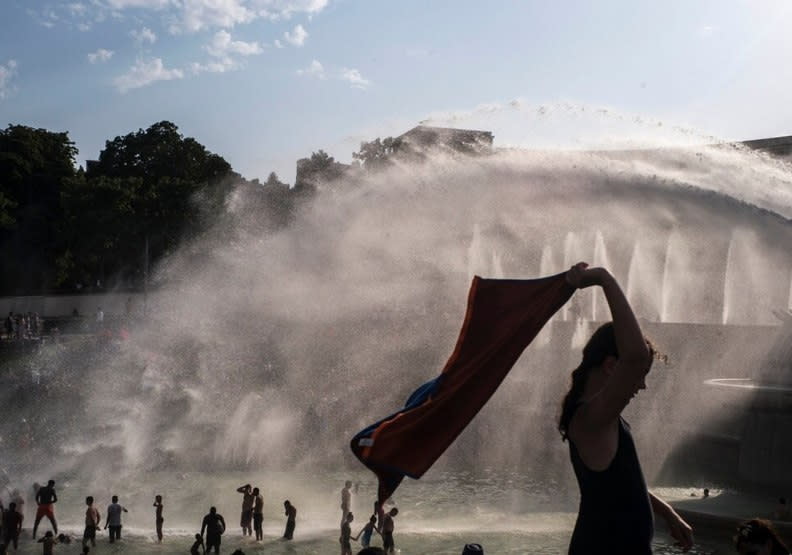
(387, 531)
(346, 501)
(258, 513)
(12, 527)
(367, 531)
(113, 520)
(92, 518)
(616, 509)
(247, 509)
(291, 519)
(46, 499)
(214, 525)
(346, 535)
(158, 518)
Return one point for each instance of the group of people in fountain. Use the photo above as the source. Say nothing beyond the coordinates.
(22, 326)
(380, 522)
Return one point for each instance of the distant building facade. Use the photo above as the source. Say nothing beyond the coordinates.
(464, 141)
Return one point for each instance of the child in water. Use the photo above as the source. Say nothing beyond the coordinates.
(198, 547)
(367, 531)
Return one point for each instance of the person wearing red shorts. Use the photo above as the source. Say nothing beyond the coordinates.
(46, 499)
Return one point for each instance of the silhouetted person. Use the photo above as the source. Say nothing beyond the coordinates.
(113, 520)
(706, 493)
(387, 531)
(473, 549)
(346, 500)
(758, 537)
(291, 519)
(12, 526)
(46, 499)
(247, 509)
(198, 546)
(379, 511)
(371, 551)
(346, 535)
(92, 518)
(615, 514)
(366, 532)
(258, 513)
(214, 525)
(158, 518)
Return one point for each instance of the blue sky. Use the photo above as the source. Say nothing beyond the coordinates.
(263, 82)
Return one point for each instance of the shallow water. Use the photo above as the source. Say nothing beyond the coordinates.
(506, 513)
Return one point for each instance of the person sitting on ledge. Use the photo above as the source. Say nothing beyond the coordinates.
(757, 537)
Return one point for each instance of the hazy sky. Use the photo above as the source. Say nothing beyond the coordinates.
(263, 82)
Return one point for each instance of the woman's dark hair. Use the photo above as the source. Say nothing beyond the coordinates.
(601, 345)
(756, 532)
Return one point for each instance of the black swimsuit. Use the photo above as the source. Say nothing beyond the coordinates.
(615, 514)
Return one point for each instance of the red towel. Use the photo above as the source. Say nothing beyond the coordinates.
(503, 317)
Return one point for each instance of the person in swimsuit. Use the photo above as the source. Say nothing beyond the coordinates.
(367, 531)
(198, 546)
(616, 509)
(258, 513)
(214, 525)
(346, 535)
(247, 509)
(158, 518)
(113, 520)
(346, 500)
(291, 519)
(46, 499)
(12, 527)
(387, 531)
(92, 519)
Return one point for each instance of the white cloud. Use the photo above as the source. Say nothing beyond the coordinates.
(278, 44)
(214, 66)
(201, 14)
(101, 55)
(144, 73)
(178, 16)
(145, 35)
(222, 46)
(284, 9)
(7, 74)
(77, 9)
(355, 78)
(140, 4)
(297, 36)
(223, 50)
(314, 70)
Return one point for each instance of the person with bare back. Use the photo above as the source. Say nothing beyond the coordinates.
(616, 513)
